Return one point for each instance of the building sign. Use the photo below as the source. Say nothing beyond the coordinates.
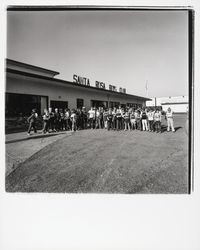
(100, 85)
(81, 80)
(85, 81)
(112, 87)
(122, 90)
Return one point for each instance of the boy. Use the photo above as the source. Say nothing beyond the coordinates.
(73, 118)
(56, 119)
(91, 117)
(132, 119)
(51, 119)
(109, 119)
(67, 119)
(32, 120)
(157, 119)
(126, 117)
(119, 118)
(46, 118)
(144, 120)
(105, 115)
(150, 120)
(138, 120)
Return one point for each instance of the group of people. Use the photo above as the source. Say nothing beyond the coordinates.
(117, 118)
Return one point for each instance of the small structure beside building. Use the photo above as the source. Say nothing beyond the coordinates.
(179, 104)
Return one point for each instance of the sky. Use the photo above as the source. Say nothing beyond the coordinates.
(145, 52)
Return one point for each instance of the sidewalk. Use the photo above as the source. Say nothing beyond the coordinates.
(22, 136)
(20, 146)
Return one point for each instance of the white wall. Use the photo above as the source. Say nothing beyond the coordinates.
(177, 108)
(178, 103)
(61, 91)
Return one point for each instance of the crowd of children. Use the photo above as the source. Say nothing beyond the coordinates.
(118, 118)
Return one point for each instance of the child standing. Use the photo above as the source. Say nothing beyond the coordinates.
(132, 119)
(91, 117)
(67, 119)
(46, 118)
(105, 115)
(144, 121)
(150, 120)
(126, 121)
(73, 118)
(109, 119)
(157, 119)
(119, 118)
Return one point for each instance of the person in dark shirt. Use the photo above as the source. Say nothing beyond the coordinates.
(114, 120)
(109, 119)
(56, 119)
(61, 120)
(84, 117)
(144, 120)
(51, 120)
(32, 122)
(119, 118)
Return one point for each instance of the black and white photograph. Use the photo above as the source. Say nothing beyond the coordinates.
(100, 125)
(98, 100)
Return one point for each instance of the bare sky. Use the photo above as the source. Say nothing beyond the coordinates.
(122, 48)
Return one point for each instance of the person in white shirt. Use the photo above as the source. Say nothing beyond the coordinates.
(170, 121)
(73, 118)
(91, 117)
(157, 119)
(150, 115)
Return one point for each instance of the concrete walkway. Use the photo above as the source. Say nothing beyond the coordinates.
(20, 146)
(22, 136)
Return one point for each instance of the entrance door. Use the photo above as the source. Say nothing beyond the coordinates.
(44, 103)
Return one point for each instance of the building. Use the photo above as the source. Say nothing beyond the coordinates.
(29, 87)
(179, 104)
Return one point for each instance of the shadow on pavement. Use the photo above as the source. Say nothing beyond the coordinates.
(164, 128)
(38, 136)
(177, 128)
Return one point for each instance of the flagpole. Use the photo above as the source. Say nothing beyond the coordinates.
(146, 87)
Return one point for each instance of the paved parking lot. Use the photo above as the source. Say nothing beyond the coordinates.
(100, 161)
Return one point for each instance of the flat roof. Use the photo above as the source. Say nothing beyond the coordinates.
(18, 72)
(21, 64)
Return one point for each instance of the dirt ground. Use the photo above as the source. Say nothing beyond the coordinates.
(100, 161)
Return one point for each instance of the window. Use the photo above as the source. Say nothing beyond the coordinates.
(132, 105)
(59, 105)
(22, 104)
(114, 104)
(79, 103)
(98, 103)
